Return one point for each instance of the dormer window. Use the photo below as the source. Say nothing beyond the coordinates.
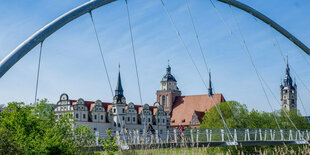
(183, 120)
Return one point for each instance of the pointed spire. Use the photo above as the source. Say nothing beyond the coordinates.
(119, 88)
(210, 84)
(168, 68)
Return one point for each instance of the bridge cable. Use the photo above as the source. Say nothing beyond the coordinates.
(276, 44)
(107, 74)
(252, 62)
(293, 69)
(101, 53)
(135, 60)
(197, 37)
(38, 74)
(247, 52)
(203, 55)
(192, 60)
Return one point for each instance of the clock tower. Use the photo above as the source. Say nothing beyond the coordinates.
(288, 92)
(168, 91)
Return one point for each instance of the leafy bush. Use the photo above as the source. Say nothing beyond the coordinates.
(28, 129)
(109, 144)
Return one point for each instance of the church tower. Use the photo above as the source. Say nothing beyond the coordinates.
(118, 105)
(288, 92)
(168, 91)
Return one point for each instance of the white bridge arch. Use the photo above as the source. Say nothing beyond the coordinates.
(38, 37)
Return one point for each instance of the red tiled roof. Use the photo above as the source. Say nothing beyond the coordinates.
(107, 106)
(90, 104)
(185, 106)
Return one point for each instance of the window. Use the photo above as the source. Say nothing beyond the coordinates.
(183, 120)
(114, 110)
(119, 125)
(114, 124)
(76, 115)
(161, 131)
(163, 120)
(84, 116)
(149, 120)
(101, 117)
(158, 120)
(123, 118)
(123, 110)
(128, 119)
(134, 119)
(95, 129)
(95, 116)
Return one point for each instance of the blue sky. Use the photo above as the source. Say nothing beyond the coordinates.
(71, 60)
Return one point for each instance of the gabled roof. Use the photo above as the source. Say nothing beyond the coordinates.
(185, 106)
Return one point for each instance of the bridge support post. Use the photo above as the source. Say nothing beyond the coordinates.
(235, 135)
(97, 138)
(265, 135)
(167, 136)
(210, 135)
(255, 136)
(157, 138)
(307, 133)
(118, 138)
(260, 134)
(192, 137)
(138, 137)
(175, 135)
(282, 136)
(290, 137)
(274, 134)
(134, 138)
(271, 134)
(223, 135)
(296, 137)
(207, 134)
(197, 135)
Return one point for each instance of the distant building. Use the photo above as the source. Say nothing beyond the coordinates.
(288, 91)
(185, 110)
(103, 115)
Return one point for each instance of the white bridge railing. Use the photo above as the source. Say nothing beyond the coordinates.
(209, 135)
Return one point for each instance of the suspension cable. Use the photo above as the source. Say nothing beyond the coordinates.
(38, 74)
(107, 74)
(293, 69)
(276, 44)
(201, 51)
(192, 60)
(101, 53)
(247, 53)
(203, 55)
(197, 37)
(252, 62)
(135, 60)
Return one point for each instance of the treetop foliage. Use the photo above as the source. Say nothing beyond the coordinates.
(238, 116)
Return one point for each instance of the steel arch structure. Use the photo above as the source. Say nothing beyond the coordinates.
(61, 21)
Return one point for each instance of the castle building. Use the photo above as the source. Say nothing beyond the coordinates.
(185, 110)
(116, 115)
(288, 92)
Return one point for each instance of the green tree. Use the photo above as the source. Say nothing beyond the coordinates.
(238, 116)
(28, 129)
(109, 144)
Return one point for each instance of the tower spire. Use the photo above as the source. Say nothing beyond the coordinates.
(210, 84)
(119, 88)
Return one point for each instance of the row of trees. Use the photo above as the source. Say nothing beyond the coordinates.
(238, 116)
(28, 129)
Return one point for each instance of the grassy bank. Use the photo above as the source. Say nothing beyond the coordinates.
(292, 149)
